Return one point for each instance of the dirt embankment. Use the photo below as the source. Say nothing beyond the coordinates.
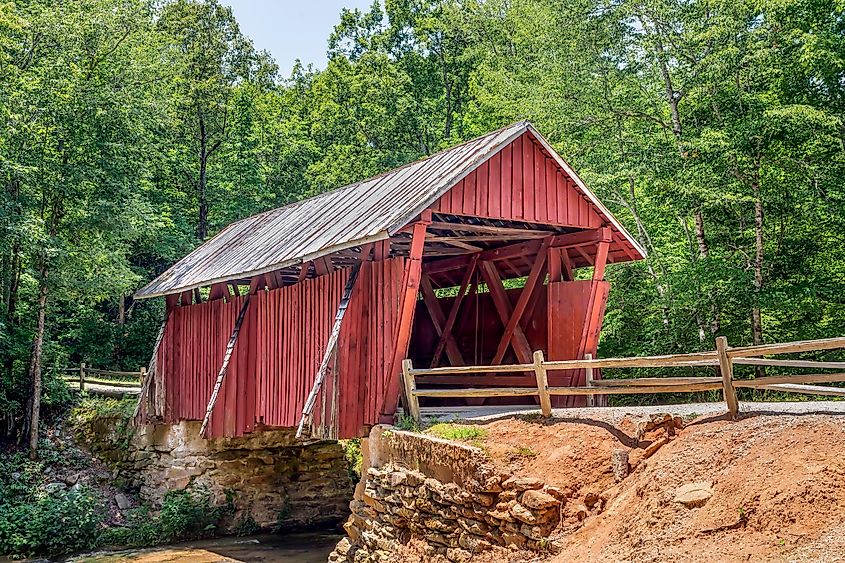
(773, 486)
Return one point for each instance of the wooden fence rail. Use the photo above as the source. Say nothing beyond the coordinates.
(724, 357)
(83, 374)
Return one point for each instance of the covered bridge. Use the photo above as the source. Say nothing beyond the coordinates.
(418, 259)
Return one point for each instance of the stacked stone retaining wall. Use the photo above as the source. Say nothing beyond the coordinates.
(446, 495)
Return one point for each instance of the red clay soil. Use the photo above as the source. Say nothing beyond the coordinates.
(778, 488)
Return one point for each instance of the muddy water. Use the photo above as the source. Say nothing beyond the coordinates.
(290, 548)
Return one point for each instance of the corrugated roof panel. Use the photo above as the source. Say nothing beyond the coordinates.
(349, 216)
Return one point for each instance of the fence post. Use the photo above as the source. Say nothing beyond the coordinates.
(142, 374)
(542, 384)
(82, 377)
(726, 367)
(588, 379)
(410, 388)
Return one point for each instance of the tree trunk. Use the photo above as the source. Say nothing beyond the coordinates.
(202, 220)
(121, 310)
(756, 317)
(35, 362)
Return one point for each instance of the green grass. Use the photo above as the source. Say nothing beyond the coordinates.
(461, 432)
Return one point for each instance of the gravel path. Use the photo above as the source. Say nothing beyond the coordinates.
(613, 415)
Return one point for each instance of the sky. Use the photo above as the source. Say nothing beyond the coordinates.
(291, 29)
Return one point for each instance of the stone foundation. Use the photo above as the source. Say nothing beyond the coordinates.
(270, 476)
(447, 495)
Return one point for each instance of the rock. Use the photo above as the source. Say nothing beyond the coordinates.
(397, 478)
(458, 555)
(580, 511)
(71, 478)
(513, 540)
(654, 446)
(484, 499)
(590, 499)
(122, 502)
(619, 464)
(523, 514)
(523, 483)
(693, 495)
(538, 499)
(55, 487)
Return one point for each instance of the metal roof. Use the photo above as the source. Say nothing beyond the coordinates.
(370, 210)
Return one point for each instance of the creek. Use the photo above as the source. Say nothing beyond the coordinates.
(313, 547)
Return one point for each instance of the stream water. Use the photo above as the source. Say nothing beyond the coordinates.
(288, 548)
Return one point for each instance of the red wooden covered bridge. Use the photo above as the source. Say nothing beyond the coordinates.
(338, 289)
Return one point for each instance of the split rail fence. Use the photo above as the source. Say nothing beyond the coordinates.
(724, 358)
(107, 382)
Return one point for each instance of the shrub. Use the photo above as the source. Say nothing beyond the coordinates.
(51, 524)
(185, 515)
(354, 458)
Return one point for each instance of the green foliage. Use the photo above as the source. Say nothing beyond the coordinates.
(354, 457)
(185, 515)
(407, 422)
(51, 524)
(461, 432)
(92, 415)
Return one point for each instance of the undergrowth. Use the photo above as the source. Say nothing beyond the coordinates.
(460, 432)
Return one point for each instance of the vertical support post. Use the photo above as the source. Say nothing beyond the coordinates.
(726, 366)
(410, 390)
(408, 304)
(542, 384)
(588, 380)
(82, 377)
(142, 373)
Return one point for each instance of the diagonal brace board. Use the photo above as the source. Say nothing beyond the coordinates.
(331, 347)
(453, 313)
(439, 320)
(227, 357)
(505, 310)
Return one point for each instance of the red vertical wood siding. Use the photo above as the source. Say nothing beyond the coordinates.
(282, 341)
(569, 305)
(520, 182)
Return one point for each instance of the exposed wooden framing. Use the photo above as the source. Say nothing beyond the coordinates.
(453, 313)
(230, 347)
(567, 270)
(257, 283)
(439, 320)
(584, 255)
(505, 310)
(303, 272)
(727, 375)
(185, 298)
(569, 240)
(488, 229)
(331, 348)
(218, 291)
(323, 265)
(197, 295)
(458, 242)
(411, 284)
(554, 265)
(601, 260)
(531, 285)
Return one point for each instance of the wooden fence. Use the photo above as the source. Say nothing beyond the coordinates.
(107, 382)
(724, 358)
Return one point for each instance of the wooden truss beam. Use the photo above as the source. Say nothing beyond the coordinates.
(569, 240)
(453, 313)
(489, 229)
(531, 285)
(439, 321)
(505, 310)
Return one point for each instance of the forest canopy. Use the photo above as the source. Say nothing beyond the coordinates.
(133, 130)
